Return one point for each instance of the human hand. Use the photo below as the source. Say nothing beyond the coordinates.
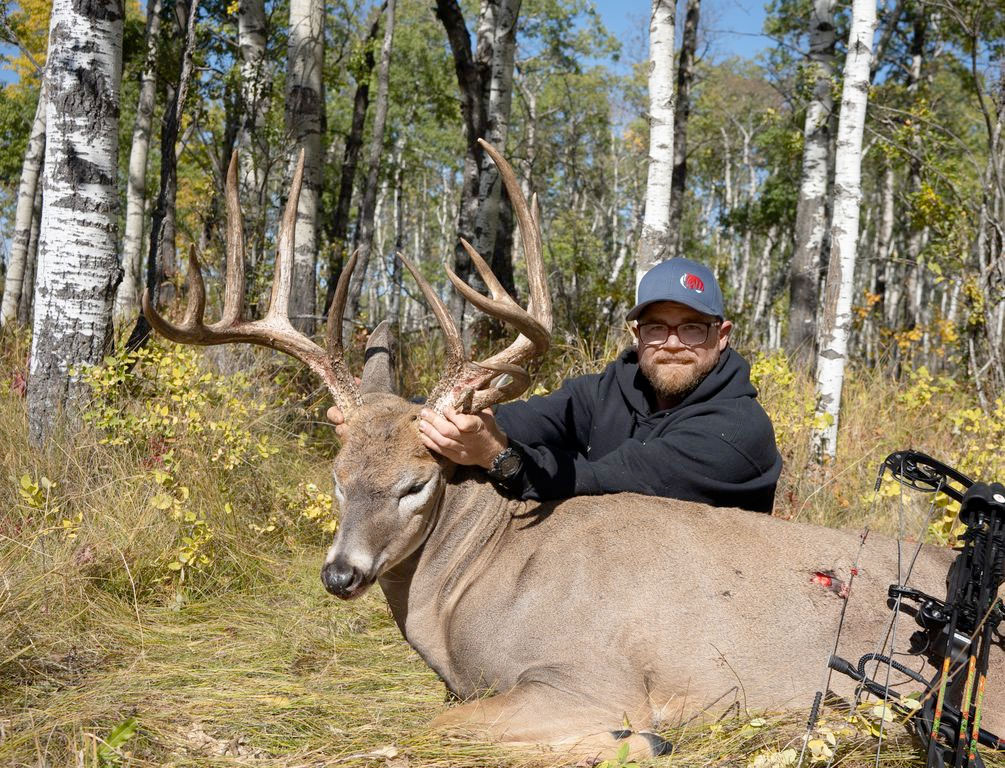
(336, 417)
(468, 439)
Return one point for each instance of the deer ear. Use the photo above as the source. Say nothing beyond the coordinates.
(378, 369)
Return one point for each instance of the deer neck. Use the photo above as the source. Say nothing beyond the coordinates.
(423, 590)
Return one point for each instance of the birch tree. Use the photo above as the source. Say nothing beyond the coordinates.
(251, 36)
(811, 209)
(485, 80)
(836, 317)
(24, 215)
(304, 103)
(655, 242)
(127, 297)
(365, 230)
(78, 265)
(685, 78)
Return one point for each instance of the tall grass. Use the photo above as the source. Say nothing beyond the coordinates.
(110, 655)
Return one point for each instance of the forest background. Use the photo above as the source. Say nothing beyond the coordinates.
(186, 503)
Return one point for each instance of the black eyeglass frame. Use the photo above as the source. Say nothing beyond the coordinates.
(675, 330)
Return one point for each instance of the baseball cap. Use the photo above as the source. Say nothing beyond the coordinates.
(683, 281)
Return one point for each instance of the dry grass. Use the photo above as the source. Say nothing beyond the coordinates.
(250, 662)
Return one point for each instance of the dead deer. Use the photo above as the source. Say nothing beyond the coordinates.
(573, 615)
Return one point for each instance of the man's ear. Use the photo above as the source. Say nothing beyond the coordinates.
(724, 330)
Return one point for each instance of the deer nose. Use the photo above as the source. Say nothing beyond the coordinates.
(340, 578)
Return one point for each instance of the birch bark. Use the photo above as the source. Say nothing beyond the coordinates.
(365, 231)
(303, 121)
(78, 265)
(685, 77)
(25, 306)
(251, 35)
(24, 215)
(655, 242)
(127, 297)
(811, 209)
(836, 317)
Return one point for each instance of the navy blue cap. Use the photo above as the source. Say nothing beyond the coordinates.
(683, 281)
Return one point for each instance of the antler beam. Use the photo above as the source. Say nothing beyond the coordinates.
(274, 330)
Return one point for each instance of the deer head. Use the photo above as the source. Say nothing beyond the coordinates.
(388, 486)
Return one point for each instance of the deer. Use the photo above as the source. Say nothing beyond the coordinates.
(571, 625)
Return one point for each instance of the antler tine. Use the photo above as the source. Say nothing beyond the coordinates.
(196, 306)
(233, 294)
(502, 305)
(333, 337)
(279, 304)
(455, 347)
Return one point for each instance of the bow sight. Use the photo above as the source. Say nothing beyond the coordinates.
(956, 633)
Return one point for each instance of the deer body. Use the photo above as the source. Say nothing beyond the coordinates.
(577, 613)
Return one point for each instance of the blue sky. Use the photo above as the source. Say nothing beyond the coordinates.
(726, 27)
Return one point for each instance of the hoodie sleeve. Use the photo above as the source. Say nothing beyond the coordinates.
(561, 418)
(692, 461)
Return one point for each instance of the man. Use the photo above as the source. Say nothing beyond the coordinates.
(675, 416)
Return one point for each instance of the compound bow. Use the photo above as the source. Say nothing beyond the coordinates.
(957, 633)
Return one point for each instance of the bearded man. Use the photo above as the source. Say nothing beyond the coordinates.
(674, 416)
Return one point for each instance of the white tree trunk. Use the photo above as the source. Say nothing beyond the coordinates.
(836, 317)
(23, 216)
(811, 209)
(499, 23)
(655, 242)
(127, 297)
(251, 34)
(24, 307)
(303, 120)
(78, 265)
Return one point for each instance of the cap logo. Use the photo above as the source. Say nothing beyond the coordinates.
(692, 282)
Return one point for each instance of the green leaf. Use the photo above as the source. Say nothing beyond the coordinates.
(622, 754)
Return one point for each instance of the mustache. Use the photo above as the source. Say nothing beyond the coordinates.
(666, 357)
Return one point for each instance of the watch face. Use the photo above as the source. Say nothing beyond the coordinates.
(509, 466)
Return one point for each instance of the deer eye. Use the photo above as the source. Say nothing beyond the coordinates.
(415, 487)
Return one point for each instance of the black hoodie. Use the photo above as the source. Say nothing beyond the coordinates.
(599, 434)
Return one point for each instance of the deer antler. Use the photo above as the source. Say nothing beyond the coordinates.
(274, 330)
(466, 384)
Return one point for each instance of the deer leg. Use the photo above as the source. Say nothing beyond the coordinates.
(537, 715)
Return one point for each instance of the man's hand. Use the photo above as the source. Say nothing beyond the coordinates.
(335, 417)
(468, 439)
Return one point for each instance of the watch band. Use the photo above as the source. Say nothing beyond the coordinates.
(506, 465)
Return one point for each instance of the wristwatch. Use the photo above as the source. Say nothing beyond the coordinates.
(506, 465)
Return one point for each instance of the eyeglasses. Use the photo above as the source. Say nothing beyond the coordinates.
(690, 334)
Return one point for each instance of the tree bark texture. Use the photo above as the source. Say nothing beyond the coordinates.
(365, 230)
(655, 242)
(304, 103)
(836, 318)
(78, 264)
(127, 297)
(485, 80)
(811, 209)
(161, 246)
(24, 214)
(350, 158)
(685, 78)
(252, 31)
(27, 303)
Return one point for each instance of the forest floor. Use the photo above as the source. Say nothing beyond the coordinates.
(159, 593)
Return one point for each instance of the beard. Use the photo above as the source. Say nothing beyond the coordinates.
(674, 377)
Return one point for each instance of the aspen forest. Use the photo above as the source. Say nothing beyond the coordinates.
(164, 509)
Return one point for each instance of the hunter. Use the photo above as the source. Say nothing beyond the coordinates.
(676, 415)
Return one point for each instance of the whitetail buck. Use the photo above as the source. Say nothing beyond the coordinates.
(572, 614)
